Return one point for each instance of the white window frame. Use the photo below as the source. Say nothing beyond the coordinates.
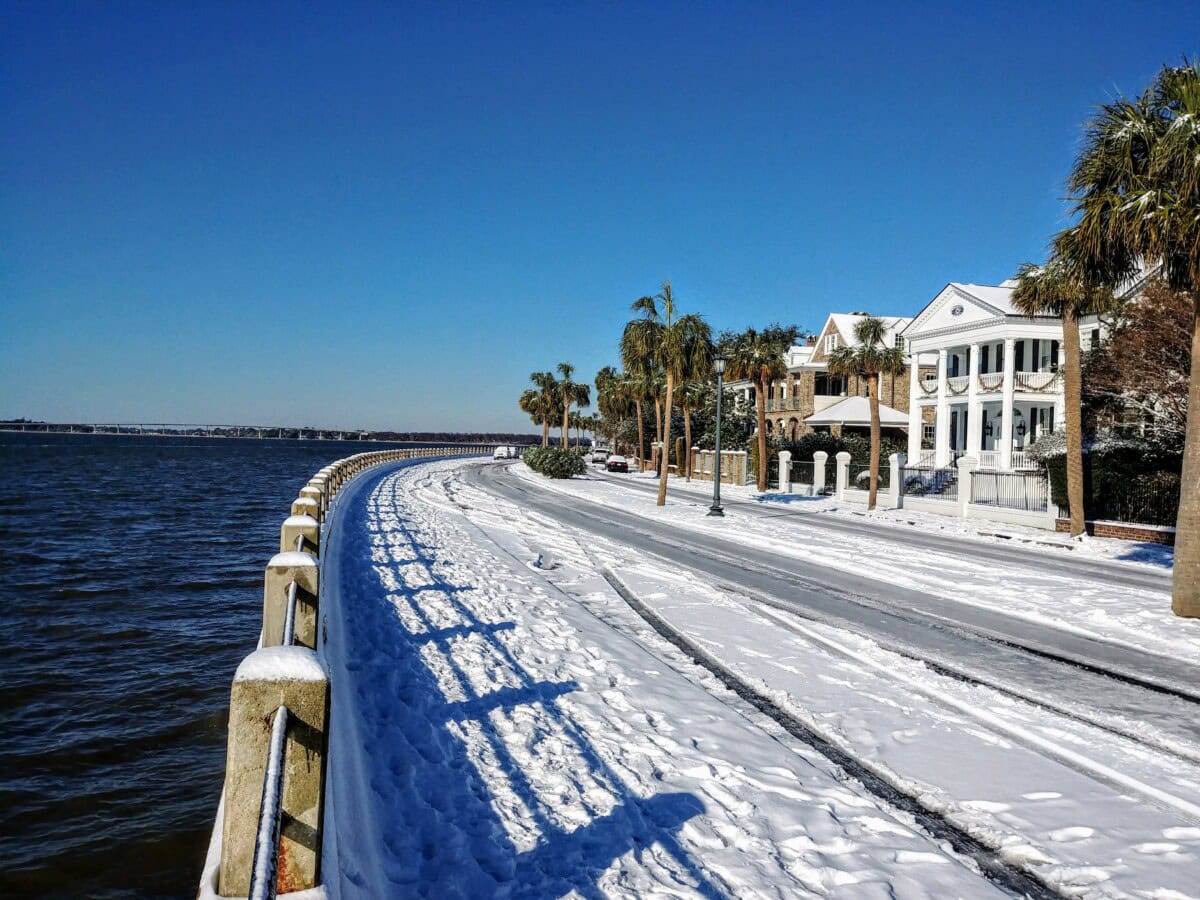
(831, 343)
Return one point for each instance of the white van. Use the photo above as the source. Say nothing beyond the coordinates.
(506, 452)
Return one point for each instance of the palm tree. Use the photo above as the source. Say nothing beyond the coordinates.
(678, 346)
(547, 390)
(1136, 189)
(692, 394)
(870, 359)
(759, 357)
(638, 341)
(1060, 289)
(570, 392)
(531, 402)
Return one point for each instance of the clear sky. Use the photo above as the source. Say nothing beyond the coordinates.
(387, 216)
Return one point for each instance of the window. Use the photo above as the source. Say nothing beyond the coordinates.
(983, 366)
(928, 435)
(831, 343)
(900, 342)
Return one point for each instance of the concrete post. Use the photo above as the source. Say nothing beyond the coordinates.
(915, 421)
(306, 506)
(819, 459)
(284, 568)
(300, 526)
(843, 473)
(316, 495)
(941, 430)
(966, 473)
(895, 464)
(785, 471)
(267, 679)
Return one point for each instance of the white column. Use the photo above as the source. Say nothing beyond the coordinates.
(1006, 425)
(974, 407)
(941, 441)
(914, 408)
(1060, 391)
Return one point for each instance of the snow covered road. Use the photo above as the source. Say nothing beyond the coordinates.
(1100, 804)
(503, 725)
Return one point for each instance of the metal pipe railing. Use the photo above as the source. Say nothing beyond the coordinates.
(264, 870)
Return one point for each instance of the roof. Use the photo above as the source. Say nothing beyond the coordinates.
(857, 411)
(999, 296)
(845, 322)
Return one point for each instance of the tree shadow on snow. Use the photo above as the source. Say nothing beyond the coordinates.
(775, 497)
(1155, 554)
(460, 773)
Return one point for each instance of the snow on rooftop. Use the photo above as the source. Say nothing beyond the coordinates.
(857, 411)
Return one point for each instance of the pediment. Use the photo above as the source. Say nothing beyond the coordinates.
(952, 308)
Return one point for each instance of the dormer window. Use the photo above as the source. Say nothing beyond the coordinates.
(900, 343)
(831, 343)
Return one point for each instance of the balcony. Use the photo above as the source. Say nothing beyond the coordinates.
(789, 404)
(990, 382)
(958, 384)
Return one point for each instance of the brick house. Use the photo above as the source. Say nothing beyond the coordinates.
(809, 389)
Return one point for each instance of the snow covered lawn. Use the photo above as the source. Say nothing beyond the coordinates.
(498, 732)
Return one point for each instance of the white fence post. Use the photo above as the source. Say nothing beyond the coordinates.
(785, 471)
(896, 464)
(843, 473)
(819, 459)
(966, 472)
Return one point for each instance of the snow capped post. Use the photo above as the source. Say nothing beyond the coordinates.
(785, 471)
(306, 506)
(819, 459)
(296, 527)
(843, 473)
(895, 464)
(283, 569)
(314, 494)
(268, 679)
(966, 472)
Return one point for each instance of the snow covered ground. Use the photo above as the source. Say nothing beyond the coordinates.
(1041, 592)
(504, 725)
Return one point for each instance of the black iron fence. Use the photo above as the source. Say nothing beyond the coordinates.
(803, 473)
(932, 484)
(1152, 500)
(773, 472)
(1029, 491)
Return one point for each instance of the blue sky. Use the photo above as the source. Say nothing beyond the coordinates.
(387, 216)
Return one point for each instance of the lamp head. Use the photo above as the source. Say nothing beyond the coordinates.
(719, 365)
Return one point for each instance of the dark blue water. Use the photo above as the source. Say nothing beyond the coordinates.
(132, 587)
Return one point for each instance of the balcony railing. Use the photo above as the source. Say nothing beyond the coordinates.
(789, 404)
(1036, 381)
(958, 384)
(929, 385)
(990, 382)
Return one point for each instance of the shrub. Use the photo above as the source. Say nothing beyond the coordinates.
(554, 462)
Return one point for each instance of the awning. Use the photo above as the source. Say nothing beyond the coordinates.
(856, 411)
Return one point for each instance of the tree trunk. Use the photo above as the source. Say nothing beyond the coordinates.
(641, 434)
(664, 458)
(545, 431)
(760, 401)
(566, 427)
(873, 398)
(1185, 586)
(658, 431)
(687, 444)
(1073, 390)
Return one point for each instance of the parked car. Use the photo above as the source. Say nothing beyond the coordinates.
(505, 452)
(600, 454)
(616, 464)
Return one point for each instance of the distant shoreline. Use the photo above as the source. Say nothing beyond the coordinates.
(255, 433)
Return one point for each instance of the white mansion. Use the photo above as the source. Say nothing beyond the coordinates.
(998, 384)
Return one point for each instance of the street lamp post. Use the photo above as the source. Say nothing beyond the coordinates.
(715, 509)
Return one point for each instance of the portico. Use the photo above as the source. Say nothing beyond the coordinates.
(997, 386)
